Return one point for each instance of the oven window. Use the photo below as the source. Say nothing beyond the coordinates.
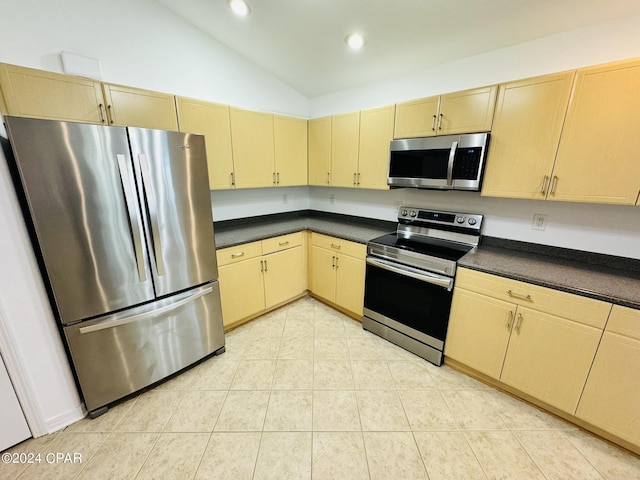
(419, 305)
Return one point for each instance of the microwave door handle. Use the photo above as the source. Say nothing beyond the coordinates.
(452, 156)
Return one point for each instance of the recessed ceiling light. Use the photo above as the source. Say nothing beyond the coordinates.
(355, 41)
(239, 7)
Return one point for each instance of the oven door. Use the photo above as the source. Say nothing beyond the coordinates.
(410, 301)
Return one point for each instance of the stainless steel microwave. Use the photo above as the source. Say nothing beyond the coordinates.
(448, 162)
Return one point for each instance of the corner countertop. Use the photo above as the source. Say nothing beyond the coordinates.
(602, 277)
(356, 229)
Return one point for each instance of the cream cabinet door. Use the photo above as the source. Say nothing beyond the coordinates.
(525, 136)
(418, 118)
(350, 273)
(598, 155)
(253, 150)
(467, 111)
(134, 107)
(376, 133)
(35, 93)
(323, 273)
(241, 290)
(479, 331)
(549, 357)
(212, 121)
(283, 275)
(320, 151)
(290, 143)
(344, 149)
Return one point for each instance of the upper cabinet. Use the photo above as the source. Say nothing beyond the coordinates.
(376, 132)
(212, 121)
(319, 145)
(127, 106)
(253, 149)
(597, 158)
(525, 135)
(290, 141)
(36, 93)
(459, 112)
(345, 139)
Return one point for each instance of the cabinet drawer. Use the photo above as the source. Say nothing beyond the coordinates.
(338, 245)
(238, 253)
(275, 244)
(574, 307)
(624, 321)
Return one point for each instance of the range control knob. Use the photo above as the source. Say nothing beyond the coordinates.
(460, 219)
(472, 221)
(403, 213)
(413, 213)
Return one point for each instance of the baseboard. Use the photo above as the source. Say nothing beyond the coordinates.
(62, 421)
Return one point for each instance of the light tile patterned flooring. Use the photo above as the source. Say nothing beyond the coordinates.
(303, 392)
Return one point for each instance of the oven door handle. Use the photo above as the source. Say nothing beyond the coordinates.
(444, 282)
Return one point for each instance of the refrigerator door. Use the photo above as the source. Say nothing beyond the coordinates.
(119, 354)
(80, 190)
(171, 169)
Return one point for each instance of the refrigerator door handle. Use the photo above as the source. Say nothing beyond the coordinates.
(146, 315)
(136, 226)
(153, 212)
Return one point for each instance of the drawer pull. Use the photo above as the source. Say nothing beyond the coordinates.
(520, 296)
(337, 247)
(237, 255)
(283, 244)
(509, 320)
(518, 323)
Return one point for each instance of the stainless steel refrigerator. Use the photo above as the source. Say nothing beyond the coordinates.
(121, 223)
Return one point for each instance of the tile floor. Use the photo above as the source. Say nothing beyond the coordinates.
(304, 392)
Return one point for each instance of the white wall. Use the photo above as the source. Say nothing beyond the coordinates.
(140, 43)
(230, 204)
(610, 229)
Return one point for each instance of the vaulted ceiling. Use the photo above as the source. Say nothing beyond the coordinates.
(301, 42)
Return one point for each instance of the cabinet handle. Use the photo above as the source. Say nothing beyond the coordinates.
(109, 114)
(509, 320)
(333, 262)
(262, 266)
(328, 178)
(358, 179)
(554, 182)
(337, 258)
(233, 179)
(278, 178)
(273, 178)
(543, 189)
(518, 323)
(433, 123)
(440, 122)
(520, 296)
(100, 108)
(354, 178)
(237, 255)
(265, 266)
(283, 244)
(337, 247)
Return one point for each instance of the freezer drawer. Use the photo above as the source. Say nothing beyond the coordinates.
(118, 354)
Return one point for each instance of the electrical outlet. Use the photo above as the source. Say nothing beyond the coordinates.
(539, 221)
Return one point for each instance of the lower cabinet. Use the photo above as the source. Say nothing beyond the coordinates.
(539, 341)
(612, 394)
(337, 271)
(259, 275)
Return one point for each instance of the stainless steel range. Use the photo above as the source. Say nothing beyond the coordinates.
(410, 276)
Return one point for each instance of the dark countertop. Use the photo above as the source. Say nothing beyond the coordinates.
(357, 229)
(603, 277)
